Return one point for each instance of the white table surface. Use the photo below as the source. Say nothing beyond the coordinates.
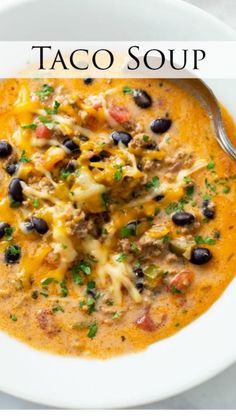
(220, 392)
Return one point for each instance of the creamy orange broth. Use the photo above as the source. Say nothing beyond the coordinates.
(94, 286)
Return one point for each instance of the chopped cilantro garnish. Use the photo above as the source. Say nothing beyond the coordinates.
(166, 238)
(109, 302)
(8, 231)
(91, 305)
(226, 189)
(121, 257)
(45, 91)
(23, 158)
(116, 315)
(64, 174)
(36, 203)
(47, 281)
(29, 126)
(128, 230)
(204, 240)
(13, 250)
(157, 211)
(118, 175)
(105, 200)
(92, 330)
(145, 138)
(64, 289)
(45, 121)
(154, 183)
(127, 90)
(85, 267)
(174, 206)
(54, 110)
(57, 308)
(175, 290)
(13, 317)
(91, 286)
(211, 166)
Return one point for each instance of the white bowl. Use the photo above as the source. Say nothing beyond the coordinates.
(202, 349)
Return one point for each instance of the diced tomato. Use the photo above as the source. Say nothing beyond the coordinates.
(43, 132)
(146, 323)
(119, 113)
(182, 280)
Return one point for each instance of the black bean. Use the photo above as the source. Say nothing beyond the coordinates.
(208, 210)
(160, 125)
(142, 98)
(182, 218)
(70, 167)
(138, 272)
(15, 190)
(11, 168)
(88, 81)
(5, 149)
(140, 166)
(121, 136)
(40, 225)
(83, 138)
(98, 157)
(12, 254)
(139, 283)
(159, 197)
(3, 228)
(70, 145)
(200, 256)
(151, 146)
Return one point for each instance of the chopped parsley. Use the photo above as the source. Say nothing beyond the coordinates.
(13, 317)
(116, 315)
(45, 91)
(23, 158)
(204, 240)
(92, 330)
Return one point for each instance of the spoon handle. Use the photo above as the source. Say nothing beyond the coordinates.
(204, 94)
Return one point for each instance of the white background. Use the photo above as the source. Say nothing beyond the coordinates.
(220, 392)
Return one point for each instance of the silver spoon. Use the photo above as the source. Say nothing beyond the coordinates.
(204, 94)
